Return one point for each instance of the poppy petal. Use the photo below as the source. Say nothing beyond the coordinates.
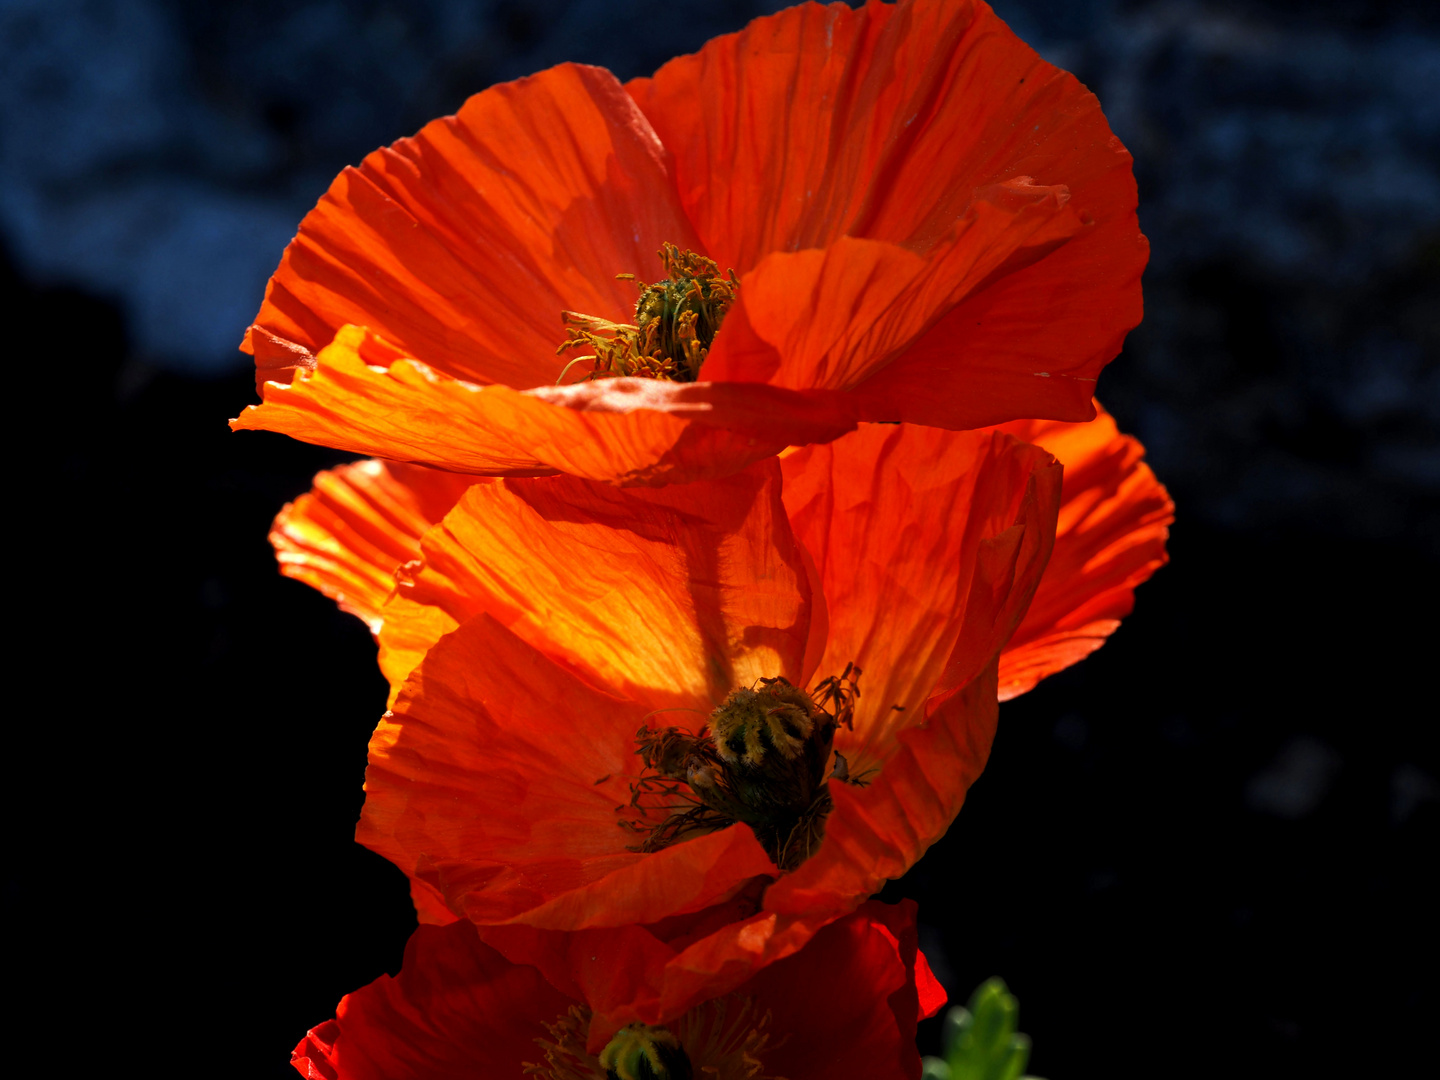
(1032, 343)
(826, 122)
(496, 780)
(931, 994)
(895, 517)
(1114, 521)
(830, 318)
(863, 1025)
(885, 123)
(457, 1008)
(360, 383)
(631, 431)
(672, 596)
(356, 524)
(615, 966)
(878, 832)
(464, 243)
(408, 630)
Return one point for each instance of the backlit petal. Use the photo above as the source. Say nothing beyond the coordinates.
(878, 832)
(1114, 521)
(346, 536)
(667, 598)
(464, 243)
(672, 596)
(496, 780)
(833, 317)
(408, 629)
(895, 517)
(365, 395)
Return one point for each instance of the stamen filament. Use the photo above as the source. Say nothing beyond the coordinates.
(676, 320)
(760, 760)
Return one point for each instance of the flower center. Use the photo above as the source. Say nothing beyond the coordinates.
(676, 320)
(642, 1052)
(761, 760)
(719, 1040)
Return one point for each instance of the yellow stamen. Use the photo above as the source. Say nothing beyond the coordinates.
(676, 320)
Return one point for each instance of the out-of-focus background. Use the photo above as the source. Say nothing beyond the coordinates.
(1206, 851)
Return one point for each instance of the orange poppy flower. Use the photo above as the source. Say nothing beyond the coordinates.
(925, 222)
(700, 614)
(846, 1006)
(347, 535)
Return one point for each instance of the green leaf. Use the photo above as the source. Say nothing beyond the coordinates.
(981, 1042)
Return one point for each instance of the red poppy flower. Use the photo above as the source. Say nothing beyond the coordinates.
(846, 1006)
(584, 612)
(926, 223)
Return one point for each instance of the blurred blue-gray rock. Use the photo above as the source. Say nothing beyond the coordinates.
(114, 176)
(161, 154)
(1287, 373)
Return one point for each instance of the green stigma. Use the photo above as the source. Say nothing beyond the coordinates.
(762, 760)
(642, 1052)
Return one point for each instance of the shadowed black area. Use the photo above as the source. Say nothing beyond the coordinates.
(1207, 849)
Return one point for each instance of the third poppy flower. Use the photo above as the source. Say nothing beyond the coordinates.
(844, 1008)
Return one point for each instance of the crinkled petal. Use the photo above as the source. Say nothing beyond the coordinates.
(408, 630)
(671, 596)
(496, 780)
(364, 394)
(895, 517)
(1114, 521)
(888, 124)
(464, 243)
(879, 831)
(832, 317)
(346, 536)
(469, 731)
(1033, 342)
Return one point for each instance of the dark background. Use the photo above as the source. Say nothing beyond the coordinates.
(1202, 852)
